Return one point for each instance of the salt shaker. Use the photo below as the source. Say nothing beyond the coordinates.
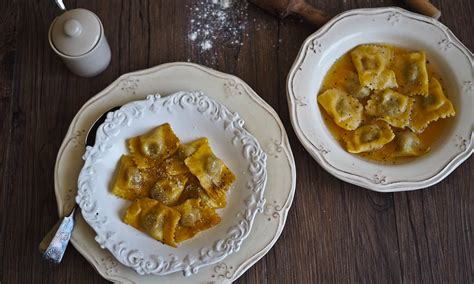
(77, 36)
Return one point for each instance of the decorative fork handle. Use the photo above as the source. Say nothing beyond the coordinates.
(58, 245)
(60, 4)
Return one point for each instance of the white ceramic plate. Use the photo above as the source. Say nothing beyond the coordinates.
(238, 97)
(447, 55)
(192, 115)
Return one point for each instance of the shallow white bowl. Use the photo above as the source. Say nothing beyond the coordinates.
(448, 57)
(192, 115)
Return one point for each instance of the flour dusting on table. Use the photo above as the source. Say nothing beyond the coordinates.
(217, 22)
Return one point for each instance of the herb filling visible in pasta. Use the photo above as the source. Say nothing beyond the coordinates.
(175, 188)
(384, 103)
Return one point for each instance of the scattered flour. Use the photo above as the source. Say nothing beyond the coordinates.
(205, 45)
(192, 36)
(217, 23)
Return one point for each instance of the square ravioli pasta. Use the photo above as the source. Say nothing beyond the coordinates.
(411, 73)
(194, 190)
(194, 218)
(155, 218)
(372, 64)
(153, 146)
(427, 109)
(175, 164)
(131, 182)
(175, 188)
(352, 85)
(369, 137)
(390, 106)
(408, 144)
(345, 110)
(402, 98)
(168, 190)
(213, 175)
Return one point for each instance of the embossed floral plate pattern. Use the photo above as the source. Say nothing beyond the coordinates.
(192, 115)
(238, 97)
(446, 54)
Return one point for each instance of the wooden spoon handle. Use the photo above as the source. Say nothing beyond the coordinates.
(308, 12)
(424, 7)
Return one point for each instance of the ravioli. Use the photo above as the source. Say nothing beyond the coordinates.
(408, 144)
(194, 190)
(427, 109)
(137, 210)
(194, 219)
(176, 188)
(352, 86)
(345, 110)
(186, 150)
(390, 106)
(154, 218)
(175, 164)
(401, 99)
(161, 223)
(213, 175)
(410, 71)
(154, 146)
(369, 137)
(169, 189)
(130, 181)
(372, 64)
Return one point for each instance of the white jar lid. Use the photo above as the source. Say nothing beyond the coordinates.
(75, 32)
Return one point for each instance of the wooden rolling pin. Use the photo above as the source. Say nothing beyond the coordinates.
(284, 8)
(424, 7)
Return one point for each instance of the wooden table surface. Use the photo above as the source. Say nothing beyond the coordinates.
(335, 232)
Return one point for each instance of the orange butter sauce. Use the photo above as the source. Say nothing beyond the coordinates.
(337, 77)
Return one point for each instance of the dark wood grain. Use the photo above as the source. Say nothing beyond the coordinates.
(336, 232)
(9, 20)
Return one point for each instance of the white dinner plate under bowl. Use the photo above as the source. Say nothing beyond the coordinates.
(446, 54)
(224, 90)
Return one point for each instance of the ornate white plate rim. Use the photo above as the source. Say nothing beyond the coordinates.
(124, 250)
